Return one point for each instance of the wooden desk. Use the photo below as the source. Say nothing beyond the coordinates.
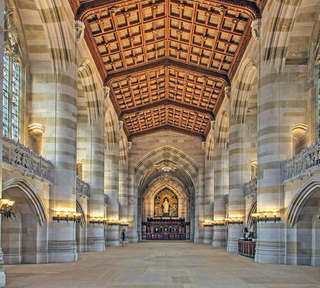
(246, 248)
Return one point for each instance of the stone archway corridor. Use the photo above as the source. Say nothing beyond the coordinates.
(162, 264)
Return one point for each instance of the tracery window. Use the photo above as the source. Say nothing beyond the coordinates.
(11, 80)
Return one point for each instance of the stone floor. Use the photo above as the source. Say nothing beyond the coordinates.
(162, 264)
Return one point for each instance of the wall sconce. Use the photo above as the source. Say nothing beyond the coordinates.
(113, 222)
(219, 223)
(124, 223)
(68, 216)
(6, 207)
(234, 220)
(208, 223)
(267, 217)
(98, 220)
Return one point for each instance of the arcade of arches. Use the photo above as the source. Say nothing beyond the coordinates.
(168, 119)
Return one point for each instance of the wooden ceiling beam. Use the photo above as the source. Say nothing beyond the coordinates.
(168, 128)
(87, 8)
(169, 63)
(166, 103)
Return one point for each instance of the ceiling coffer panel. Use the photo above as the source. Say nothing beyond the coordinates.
(130, 41)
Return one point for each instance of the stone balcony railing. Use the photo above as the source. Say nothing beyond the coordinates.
(302, 162)
(250, 188)
(24, 160)
(82, 188)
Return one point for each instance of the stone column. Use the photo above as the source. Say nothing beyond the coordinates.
(236, 181)
(221, 187)
(112, 191)
(123, 186)
(2, 274)
(95, 178)
(132, 206)
(209, 197)
(199, 208)
(60, 139)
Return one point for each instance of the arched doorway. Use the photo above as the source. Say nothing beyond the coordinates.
(81, 230)
(304, 219)
(24, 237)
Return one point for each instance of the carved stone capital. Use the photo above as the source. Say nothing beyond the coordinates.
(256, 29)
(36, 130)
(106, 91)
(79, 30)
(227, 91)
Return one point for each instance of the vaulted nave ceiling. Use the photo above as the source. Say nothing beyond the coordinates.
(167, 62)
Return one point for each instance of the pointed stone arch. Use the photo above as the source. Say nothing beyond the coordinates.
(298, 203)
(31, 196)
(248, 73)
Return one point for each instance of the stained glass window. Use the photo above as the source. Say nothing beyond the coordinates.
(11, 96)
(15, 99)
(6, 85)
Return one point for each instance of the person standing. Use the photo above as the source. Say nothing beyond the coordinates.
(124, 237)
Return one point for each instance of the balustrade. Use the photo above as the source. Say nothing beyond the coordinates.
(24, 160)
(250, 188)
(300, 163)
(82, 188)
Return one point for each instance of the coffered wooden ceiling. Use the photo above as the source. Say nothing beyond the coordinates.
(167, 61)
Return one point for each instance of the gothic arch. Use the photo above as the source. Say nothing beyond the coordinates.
(222, 129)
(79, 209)
(248, 77)
(91, 91)
(31, 196)
(298, 203)
(210, 146)
(111, 127)
(166, 153)
(252, 210)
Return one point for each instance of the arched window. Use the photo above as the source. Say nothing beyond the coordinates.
(11, 80)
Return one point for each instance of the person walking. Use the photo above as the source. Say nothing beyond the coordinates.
(124, 237)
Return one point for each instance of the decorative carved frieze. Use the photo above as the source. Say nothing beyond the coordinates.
(302, 162)
(82, 189)
(24, 160)
(250, 188)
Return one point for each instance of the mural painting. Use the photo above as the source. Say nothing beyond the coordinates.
(166, 204)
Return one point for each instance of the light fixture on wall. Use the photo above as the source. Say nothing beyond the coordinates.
(234, 220)
(124, 223)
(265, 217)
(113, 222)
(97, 220)
(215, 223)
(67, 216)
(6, 207)
(219, 223)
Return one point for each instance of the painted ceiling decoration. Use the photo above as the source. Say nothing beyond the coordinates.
(167, 62)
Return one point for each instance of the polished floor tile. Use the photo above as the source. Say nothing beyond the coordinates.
(162, 264)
